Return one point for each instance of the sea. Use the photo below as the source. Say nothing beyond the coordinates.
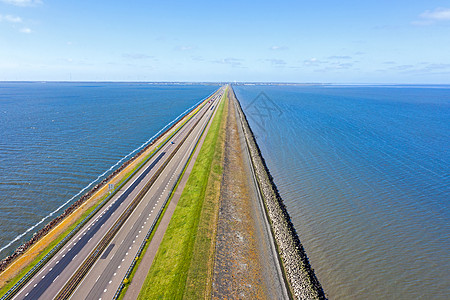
(58, 139)
(365, 174)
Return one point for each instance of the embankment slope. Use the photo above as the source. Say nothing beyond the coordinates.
(300, 276)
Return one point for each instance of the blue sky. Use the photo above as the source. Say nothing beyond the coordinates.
(381, 41)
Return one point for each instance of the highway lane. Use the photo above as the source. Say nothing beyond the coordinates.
(106, 275)
(46, 283)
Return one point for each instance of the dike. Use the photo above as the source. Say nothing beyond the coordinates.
(301, 278)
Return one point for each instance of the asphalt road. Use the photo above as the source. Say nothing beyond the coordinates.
(108, 271)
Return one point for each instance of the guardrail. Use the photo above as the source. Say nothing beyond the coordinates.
(145, 241)
(76, 278)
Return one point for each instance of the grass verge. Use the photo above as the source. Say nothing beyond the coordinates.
(173, 274)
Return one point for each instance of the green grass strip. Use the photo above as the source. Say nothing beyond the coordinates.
(168, 274)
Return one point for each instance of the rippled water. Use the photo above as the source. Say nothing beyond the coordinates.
(364, 172)
(56, 138)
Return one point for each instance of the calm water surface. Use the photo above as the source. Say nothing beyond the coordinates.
(364, 172)
(56, 138)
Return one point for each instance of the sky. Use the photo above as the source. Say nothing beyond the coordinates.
(326, 41)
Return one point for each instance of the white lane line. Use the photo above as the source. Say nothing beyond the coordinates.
(43, 277)
(35, 285)
(105, 291)
(118, 267)
(57, 262)
(50, 269)
(110, 282)
(55, 278)
(26, 294)
(126, 253)
(115, 274)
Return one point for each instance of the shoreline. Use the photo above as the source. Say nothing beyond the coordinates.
(301, 278)
(90, 198)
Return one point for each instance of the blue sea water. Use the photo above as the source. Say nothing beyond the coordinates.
(57, 138)
(365, 174)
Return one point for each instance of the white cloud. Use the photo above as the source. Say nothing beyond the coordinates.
(430, 17)
(136, 56)
(276, 62)
(312, 62)
(234, 62)
(25, 30)
(11, 19)
(339, 57)
(22, 2)
(278, 48)
(184, 48)
(439, 14)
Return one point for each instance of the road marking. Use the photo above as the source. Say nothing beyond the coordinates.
(114, 274)
(35, 285)
(43, 277)
(63, 255)
(118, 267)
(126, 253)
(140, 230)
(98, 277)
(50, 269)
(105, 291)
(74, 256)
(130, 247)
(26, 294)
(110, 281)
(55, 278)
(57, 262)
(123, 259)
